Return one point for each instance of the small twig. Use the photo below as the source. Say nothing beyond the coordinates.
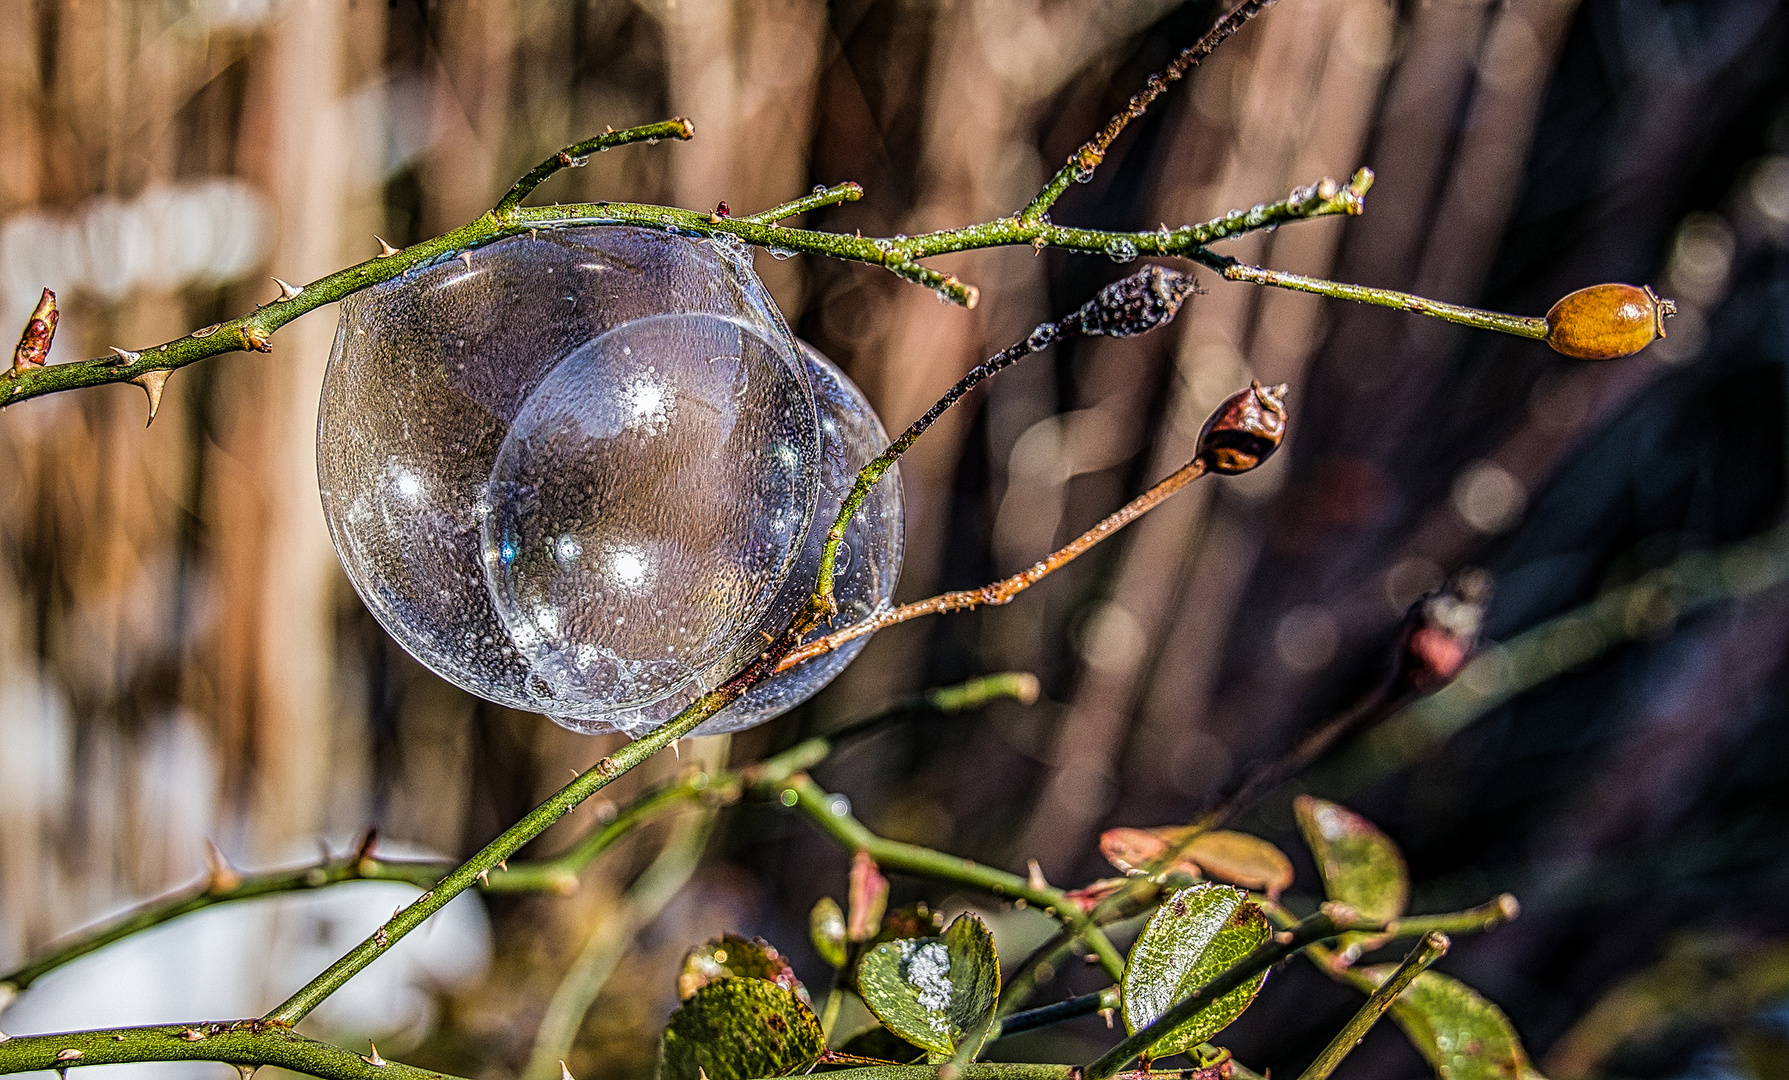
(1432, 947)
(803, 794)
(1438, 636)
(1003, 591)
(849, 191)
(1519, 325)
(1082, 162)
(1127, 307)
(557, 874)
(1215, 453)
(1072, 1009)
(575, 155)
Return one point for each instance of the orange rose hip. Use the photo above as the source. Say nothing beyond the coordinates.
(1604, 322)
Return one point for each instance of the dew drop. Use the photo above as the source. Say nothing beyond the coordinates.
(1120, 250)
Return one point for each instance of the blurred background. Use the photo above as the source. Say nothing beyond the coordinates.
(181, 657)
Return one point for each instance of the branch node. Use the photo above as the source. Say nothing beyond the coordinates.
(192, 1035)
(255, 338)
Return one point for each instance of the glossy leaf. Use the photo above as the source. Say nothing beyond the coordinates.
(737, 1029)
(1196, 934)
(1360, 865)
(733, 957)
(1459, 1033)
(935, 992)
(826, 928)
(1221, 855)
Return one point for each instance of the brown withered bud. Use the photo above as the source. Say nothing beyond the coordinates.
(1134, 305)
(1441, 631)
(1245, 430)
(34, 344)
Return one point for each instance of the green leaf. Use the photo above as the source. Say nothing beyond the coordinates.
(736, 1029)
(935, 992)
(826, 928)
(733, 957)
(1196, 934)
(1360, 865)
(1459, 1033)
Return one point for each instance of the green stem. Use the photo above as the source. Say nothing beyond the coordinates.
(1433, 945)
(1277, 948)
(899, 255)
(1072, 1009)
(645, 899)
(559, 874)
(1475, 920)
(1519, 325)
(849, 191)
(575, 155)
(836, 822)
(1082, 162)
(247, 1043)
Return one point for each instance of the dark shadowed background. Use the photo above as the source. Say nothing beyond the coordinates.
(181, 656)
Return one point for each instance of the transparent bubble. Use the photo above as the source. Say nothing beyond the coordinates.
(578, 473)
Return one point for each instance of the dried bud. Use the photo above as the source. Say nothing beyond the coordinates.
(1441, 631)
(1245, 430)
(1134, 305)
(34, 344)
(868, 898)
(1605, 322)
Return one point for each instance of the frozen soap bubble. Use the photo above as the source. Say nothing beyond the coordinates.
(579, 473)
